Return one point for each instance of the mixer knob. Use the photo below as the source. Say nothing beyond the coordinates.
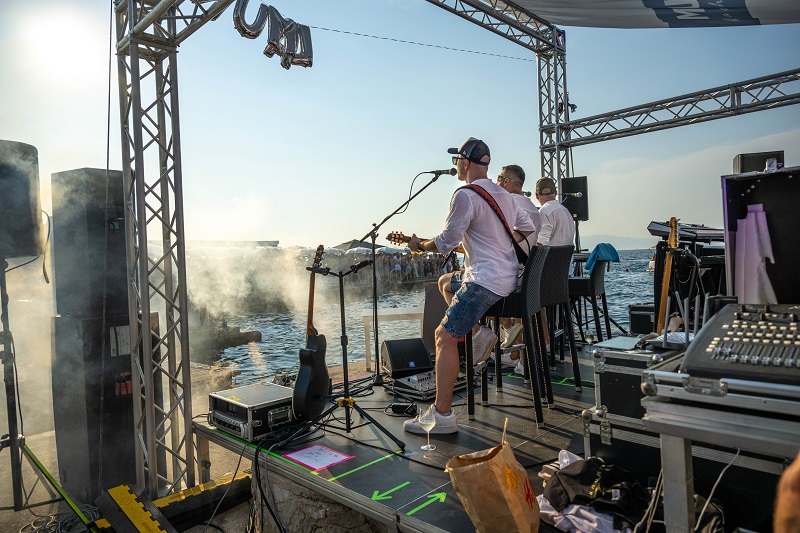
(777, 361)
(755, 359)
(789, 362)
(766, 360)
(734, 357)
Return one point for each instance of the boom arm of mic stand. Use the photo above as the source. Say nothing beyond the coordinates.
(373, 235)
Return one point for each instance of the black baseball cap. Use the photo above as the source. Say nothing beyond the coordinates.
(473, 150)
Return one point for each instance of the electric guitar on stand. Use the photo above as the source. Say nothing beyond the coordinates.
(313, 385)
(672, 243)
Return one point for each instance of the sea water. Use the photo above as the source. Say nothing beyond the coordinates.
(284, 332)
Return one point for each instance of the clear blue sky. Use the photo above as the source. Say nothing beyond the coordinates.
(311, 156)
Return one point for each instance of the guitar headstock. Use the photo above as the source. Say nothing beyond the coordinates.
(318, 256)
(397, 237)
(672, 241)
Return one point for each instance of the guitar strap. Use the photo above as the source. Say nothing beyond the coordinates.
(522, 257)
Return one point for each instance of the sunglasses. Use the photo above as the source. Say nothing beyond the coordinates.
(456, 159)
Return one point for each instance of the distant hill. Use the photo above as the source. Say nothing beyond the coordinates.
(620, 243)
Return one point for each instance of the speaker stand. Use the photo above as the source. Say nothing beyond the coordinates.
(13, 439)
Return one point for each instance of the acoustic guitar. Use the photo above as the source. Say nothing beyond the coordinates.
(672, 243)
(397, 237)
(313, 385)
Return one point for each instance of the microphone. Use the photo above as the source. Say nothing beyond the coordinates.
(527, 193)
(450, 171)
(573, 194)
(362, 264)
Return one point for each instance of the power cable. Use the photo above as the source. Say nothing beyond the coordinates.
(423, 44)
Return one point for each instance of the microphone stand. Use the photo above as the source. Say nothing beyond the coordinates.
(373, 235)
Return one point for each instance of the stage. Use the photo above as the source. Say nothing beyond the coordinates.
(410, 491)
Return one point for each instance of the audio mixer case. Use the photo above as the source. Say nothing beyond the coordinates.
(614, 430)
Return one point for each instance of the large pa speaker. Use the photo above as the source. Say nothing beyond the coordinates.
(20, 210)
(579, 207)
(93, 404)
(405, 357)
(755, 162)
(81, 255)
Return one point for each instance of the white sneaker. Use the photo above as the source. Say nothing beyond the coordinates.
(483, 344)
(519, 369)
(511, 335)
(444, 423)
(505, 358)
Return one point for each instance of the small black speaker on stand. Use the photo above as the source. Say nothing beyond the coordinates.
(575, 197)
(20, 210)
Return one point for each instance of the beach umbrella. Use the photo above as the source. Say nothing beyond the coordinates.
(349, 245)
(359, 251)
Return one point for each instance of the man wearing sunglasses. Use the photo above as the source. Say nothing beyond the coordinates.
(490, 272)
(511, 178)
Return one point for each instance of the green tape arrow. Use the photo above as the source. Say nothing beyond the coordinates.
(377, 496)
(439, 496)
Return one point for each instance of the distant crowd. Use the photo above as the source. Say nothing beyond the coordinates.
(409, 267)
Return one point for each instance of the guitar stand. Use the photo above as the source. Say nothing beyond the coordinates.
(344, 400)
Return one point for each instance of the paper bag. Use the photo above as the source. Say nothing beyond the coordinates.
(495, 490)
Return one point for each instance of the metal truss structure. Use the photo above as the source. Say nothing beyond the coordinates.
(148, 34)
(758, 94)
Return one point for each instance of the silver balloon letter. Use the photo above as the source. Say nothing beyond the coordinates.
(251, 31)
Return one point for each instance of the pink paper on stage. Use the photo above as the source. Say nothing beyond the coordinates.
(317, 457)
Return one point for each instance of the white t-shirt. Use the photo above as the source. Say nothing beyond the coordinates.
(558, 228)
(524, 203)
(490, 258)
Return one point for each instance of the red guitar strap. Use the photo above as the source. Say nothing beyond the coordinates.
(522, 257)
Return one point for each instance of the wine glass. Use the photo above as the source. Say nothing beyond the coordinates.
(589, 337)
(426, 421)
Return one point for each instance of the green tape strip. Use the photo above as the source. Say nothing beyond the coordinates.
(378, 460)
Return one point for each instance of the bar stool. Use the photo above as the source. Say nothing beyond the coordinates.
(525, 302)
(588, 288)
(555, 295)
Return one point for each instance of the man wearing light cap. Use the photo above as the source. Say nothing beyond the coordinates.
(558, 228)
(490, 271)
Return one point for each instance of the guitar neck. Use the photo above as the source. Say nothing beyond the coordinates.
(310, 329)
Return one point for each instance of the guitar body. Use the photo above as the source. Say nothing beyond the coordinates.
(313, 383)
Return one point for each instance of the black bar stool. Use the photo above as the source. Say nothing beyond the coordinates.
(555, 295)
(526, 303)
(588, 288)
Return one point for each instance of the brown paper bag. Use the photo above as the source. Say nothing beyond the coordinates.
(495, 490)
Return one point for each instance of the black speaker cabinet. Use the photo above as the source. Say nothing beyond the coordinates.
(755, 162)
(20, 210)
(93, 405)
(89, 243)
(405, 357)
(578, 206)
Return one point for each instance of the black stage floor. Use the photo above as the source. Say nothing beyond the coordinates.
(411, 489)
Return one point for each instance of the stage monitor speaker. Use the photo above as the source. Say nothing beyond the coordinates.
(755, 162)
(579, 207)
(20, 210)
(405, 357)
(81, 220)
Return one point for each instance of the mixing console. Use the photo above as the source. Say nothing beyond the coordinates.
(756, 343)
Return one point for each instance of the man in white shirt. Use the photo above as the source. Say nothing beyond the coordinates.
(490, 272)
(558, 227)
(512, 178)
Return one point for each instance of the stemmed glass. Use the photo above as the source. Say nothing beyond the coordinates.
(427, 420)
(589, 337)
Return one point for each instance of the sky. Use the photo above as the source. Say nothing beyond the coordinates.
(316, 156)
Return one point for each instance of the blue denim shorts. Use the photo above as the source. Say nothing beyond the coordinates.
(470, 303)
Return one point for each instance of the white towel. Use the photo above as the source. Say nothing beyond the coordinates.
(753, 248)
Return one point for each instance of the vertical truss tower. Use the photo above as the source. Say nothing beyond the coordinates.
(549, 45)
(148, 34)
